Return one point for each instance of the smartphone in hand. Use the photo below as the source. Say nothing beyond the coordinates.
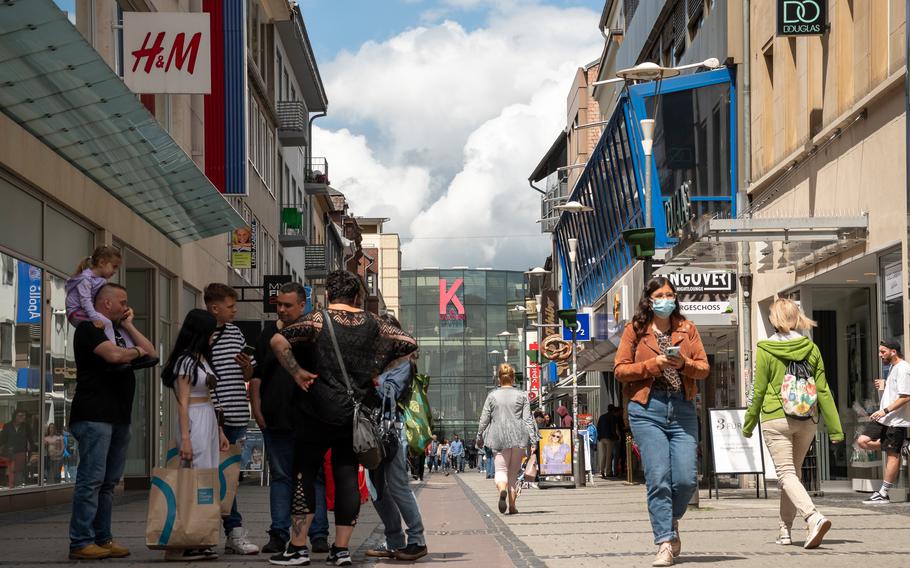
(248, 350)
(673, 351)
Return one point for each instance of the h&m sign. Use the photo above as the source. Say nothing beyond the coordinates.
(448, 296)
(167, 52)
(802, 17)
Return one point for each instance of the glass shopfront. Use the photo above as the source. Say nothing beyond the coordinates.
(460, 347)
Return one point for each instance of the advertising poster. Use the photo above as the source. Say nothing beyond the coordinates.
(555, 451)
(252, 455)
(243, 247)
(733, 452)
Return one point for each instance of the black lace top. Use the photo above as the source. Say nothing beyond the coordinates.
(367, 344)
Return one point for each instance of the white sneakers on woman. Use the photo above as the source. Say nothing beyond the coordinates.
(664, 555)
(818, 528)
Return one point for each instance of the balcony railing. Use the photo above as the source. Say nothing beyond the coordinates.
(315, 263)
(294, 230)
(557, 188)
(316, 180)
(292, 123)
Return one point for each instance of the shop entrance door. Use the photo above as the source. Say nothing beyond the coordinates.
(719, 390)
(140, 287)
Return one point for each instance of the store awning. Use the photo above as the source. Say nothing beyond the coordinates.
(796, 242)
(58, 88)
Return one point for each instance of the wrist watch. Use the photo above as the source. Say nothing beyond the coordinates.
(886, 411)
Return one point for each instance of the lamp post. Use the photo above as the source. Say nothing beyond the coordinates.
(493, 357)
(539, 273)
(579, 466)
(504, 343)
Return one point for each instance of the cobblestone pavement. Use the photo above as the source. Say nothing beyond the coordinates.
(603, 525)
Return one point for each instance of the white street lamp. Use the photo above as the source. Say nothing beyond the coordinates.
(574, 207)
(504, 343)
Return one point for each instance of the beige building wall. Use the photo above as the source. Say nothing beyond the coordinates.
(582, 109)
(828, 129)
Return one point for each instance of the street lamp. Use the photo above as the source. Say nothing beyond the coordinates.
(574, 207)
(493, 357)
(504, 343)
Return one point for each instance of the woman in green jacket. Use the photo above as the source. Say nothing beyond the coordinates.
(789, 438)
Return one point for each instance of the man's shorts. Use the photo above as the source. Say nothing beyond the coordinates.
(891, 437)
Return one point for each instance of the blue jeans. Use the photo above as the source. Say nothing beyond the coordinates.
(666, 431)
(102, 459)
(431, 463)
(444, 462)
(458, 463)
(234, 520)
(491, 469)
(279, 448)
(398, 503)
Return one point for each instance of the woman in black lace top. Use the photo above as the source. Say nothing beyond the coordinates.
(368, 345)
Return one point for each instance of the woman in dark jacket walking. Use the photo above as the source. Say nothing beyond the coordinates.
(659, 359)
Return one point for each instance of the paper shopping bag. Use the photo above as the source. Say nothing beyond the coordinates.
(183, 510)
(531, 469)
(228, 478)
(172, 456)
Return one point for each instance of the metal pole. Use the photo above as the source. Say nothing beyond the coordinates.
(743, 198)
(579, 465)
(648, 189)
(539, 298)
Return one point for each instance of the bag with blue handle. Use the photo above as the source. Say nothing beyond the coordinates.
(228, 473)
(183, 509)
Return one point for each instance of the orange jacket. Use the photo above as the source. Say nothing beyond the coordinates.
(636, 366)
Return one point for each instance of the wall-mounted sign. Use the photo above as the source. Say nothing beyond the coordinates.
(802, 17)
(703, 282)
(28, 293)
(167, 52)
(893, 281)
(700, 308)
(271, 287)
(678, 210)
(243, 247)
(449, 295)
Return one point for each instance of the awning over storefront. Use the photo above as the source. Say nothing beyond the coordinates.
(796, 242)
(57, 87)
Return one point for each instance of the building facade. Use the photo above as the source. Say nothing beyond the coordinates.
(459, 317)
(164, 177)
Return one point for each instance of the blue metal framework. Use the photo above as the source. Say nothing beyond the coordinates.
(612, 183)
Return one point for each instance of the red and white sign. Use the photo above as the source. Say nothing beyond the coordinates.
(534, 376)
(167, 52)
(450, 295)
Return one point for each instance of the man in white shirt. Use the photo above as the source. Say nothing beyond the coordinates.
(888, 428)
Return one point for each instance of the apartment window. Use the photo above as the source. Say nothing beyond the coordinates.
(279, 70)
(284, 93)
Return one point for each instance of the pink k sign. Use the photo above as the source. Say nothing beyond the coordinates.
(447, 295)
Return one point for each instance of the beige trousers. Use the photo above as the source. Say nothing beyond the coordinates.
(605, 456)
(788, 441)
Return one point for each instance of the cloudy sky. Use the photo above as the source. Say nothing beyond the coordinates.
(440, 109)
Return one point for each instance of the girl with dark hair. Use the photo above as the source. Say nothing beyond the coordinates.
(189, 373)
(659, 359)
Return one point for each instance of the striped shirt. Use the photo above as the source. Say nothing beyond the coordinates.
(230, 390)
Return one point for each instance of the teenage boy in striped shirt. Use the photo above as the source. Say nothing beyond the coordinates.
(234, 369)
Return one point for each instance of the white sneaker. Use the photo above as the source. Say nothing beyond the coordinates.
(818, 527)
(783, 537)
(664, 555)
(238, 543)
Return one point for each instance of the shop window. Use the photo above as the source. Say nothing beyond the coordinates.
(21, 220)
(68, 242)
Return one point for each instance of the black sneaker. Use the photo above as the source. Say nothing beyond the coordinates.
(275, 544)
(878, 499)
(292, 556)
(411, 552)
(339, 556)
(320, 545)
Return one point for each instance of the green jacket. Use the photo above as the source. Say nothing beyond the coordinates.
(770, 366)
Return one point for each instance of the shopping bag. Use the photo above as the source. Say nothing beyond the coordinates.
(228, 478)
(228, 473)
(418, 417)
(531, 468)
(183, 511)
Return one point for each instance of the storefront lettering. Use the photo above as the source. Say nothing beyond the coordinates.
(678, 210)
(801, 17)
(171, 53)
(703, 282)
(447, 295)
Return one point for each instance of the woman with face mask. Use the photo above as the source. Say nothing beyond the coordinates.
(659, 359)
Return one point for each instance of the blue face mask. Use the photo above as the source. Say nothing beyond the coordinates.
(663, 307)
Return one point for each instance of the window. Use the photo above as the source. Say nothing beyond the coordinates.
(68, 241)
(21, 220)
(279, 71)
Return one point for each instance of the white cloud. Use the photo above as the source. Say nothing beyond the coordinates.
(462, 117)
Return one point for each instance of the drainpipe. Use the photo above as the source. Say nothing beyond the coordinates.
(743, 196)
(544, 193)
(309, 137)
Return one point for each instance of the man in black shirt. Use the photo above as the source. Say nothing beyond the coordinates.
(16, 443)
(100, 422)
(272, 392)
(607, 442)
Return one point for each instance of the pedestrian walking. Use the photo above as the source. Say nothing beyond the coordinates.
(456, 454)
(17, 446)
(442, 455)
(888, 428)
(272, 403)
(53, 446)
(234, 369)
(325, 406)
(488, 464)
(432, 450)
(783, 361)
(507, 428)
(607, 441)
(660, 357)
(100, 421)
(189, 374)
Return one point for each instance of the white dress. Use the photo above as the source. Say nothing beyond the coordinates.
(204, 431)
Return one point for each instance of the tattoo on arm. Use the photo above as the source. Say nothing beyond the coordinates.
(288, 361)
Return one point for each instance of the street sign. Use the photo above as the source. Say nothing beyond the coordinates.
(584, 329)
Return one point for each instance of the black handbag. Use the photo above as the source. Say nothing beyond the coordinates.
(367, 442)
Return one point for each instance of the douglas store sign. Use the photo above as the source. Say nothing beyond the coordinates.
(802, 17)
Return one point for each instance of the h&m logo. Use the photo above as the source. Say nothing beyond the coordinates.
(178, 56)
(447, 295)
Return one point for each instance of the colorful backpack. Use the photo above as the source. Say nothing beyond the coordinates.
(797, 391)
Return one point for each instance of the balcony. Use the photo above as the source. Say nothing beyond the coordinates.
(292, 123)
(316, 180)
(557, 188)
(293, 231)
(315, 263)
